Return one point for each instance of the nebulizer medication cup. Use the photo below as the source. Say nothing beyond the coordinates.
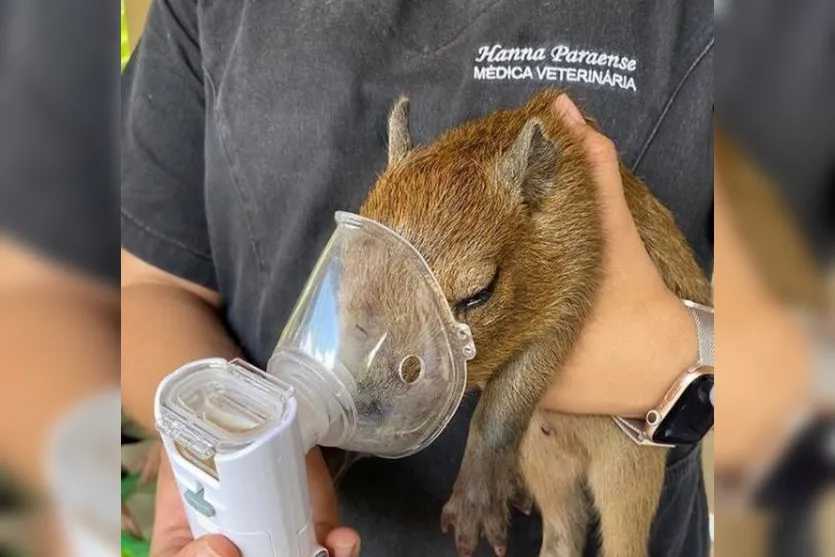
(372, 360)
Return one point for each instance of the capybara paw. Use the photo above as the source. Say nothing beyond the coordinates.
(522, 501)
(472, 512)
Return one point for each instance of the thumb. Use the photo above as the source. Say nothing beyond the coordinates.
(602, 157)
(343, 542)
(206, 546)
(600, 150)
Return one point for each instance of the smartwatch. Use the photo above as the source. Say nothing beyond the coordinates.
(685, 413)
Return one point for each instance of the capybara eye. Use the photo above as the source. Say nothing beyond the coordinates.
(481, 297)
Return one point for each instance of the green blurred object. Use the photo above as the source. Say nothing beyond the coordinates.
(6, 551)
(132, 547)
(125, 42)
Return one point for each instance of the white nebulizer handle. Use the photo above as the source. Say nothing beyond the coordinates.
(256, 496)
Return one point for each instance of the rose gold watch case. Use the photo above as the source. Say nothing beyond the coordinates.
(642, 431)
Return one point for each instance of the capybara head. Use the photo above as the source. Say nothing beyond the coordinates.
(503, 211)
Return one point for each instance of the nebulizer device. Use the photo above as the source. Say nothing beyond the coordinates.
(372, 361)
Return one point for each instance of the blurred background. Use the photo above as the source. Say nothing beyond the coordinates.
(59, 271)
(774, 217)
(774, 147)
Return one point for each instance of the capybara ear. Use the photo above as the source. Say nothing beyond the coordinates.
(529, 167)
(400, 139)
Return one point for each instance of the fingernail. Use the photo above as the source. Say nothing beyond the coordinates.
(216, 546)
(568, 110)
(206, 550)
(350, 550)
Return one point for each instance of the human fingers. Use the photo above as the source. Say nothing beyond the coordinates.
(170, 532)
(171, 535)
(340, 541)
(207, 546)
(600, 150)
(322, 494)
(602, 158)
(343, 542)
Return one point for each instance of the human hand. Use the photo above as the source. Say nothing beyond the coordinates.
(171, 535)
(639, 336)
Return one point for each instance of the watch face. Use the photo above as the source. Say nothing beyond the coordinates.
(691, 417)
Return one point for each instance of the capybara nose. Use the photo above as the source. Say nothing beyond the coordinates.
(373, 409)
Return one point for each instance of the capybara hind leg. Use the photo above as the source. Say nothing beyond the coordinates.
(626, 483)
(564, 528)
(552, 465)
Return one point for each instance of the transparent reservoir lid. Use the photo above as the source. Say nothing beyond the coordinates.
(215, 406)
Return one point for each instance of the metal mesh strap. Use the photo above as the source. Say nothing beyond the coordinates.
(703, 316)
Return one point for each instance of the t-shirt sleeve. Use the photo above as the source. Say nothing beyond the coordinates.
(58, 169)
(163, 218)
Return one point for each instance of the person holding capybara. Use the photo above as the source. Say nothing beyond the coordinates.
(246, 125)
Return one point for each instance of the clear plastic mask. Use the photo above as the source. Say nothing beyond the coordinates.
(372, 346)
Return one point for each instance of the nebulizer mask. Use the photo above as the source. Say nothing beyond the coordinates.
(371, 360)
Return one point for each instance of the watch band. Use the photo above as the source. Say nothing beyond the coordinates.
(634, 429)
(703, 316)
(641, 430)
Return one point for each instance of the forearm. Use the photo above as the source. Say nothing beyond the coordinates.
(662, 345)
(59, 348)
(164, 327)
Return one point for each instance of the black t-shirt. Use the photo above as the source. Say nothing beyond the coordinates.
(246, 124)
(58, 167)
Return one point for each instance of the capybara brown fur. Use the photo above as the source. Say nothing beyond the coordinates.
(504, 212)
